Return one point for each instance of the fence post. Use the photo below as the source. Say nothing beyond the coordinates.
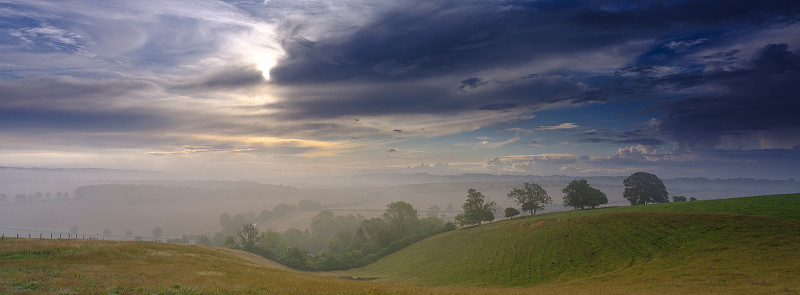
(3, 238)
(29, 236)
(59, 235)
(40, 236)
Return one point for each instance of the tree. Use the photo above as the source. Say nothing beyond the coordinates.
(308, 205)
(282, 209)
(401, 217)
(476, 209)
(679, 198)
(107, 232)
(129, 233)
(531, 197)
(692, 199)
(433, 211)
(3, 198)
(578, 194)
(511, 212)
(230, 242)
(248, 236)
(204, 240)
(324, 224)
(20, 198)
(264, 215)
(642, 188)
(596, 198)
(157, 232)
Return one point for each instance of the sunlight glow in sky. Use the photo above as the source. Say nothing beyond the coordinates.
(252, 89)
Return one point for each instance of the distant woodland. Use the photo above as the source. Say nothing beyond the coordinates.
(152, 193)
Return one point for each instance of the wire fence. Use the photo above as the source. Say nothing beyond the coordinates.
(51, 236)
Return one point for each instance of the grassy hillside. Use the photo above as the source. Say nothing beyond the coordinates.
(785, 206)
(699, 252)
(613, 253)
(99, 267)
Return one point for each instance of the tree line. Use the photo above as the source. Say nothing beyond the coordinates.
(640, 188)
(35, 197)
(332, 242)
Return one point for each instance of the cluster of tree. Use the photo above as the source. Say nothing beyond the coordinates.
(335, 242)
(640, 188)
(476, 209)
(579, 195)
(643, 188)
(38, 196)
(683, 199)
(232, 224)
(531, 197)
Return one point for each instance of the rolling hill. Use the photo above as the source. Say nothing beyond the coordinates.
(671, 250)
(664, 244)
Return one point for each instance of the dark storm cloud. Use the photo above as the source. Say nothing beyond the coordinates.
(83, 120)
(226, 79)
(61, 91)
(398, 61)
(419, 97)
(661, 14)
(759, 102)
(424, 38)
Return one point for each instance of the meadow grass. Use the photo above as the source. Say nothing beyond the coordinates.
(611, 252)
(701, 246)
(786, 206)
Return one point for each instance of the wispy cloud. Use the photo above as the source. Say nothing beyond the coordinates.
(559, 126)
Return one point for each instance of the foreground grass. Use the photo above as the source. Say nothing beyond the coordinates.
(101, 267)
(604, 253)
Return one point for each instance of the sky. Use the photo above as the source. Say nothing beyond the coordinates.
(268, 88)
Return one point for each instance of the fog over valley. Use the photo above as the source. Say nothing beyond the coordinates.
(134, 203)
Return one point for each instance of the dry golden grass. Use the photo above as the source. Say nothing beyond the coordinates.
(101, 267)
(661, 253)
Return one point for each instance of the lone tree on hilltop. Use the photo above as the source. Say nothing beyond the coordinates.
(642, 188)
(531, 196)
(511, 212)
(476, 209)
(578, 194)
(402, 217)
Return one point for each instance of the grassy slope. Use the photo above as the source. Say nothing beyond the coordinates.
(100, 267)
(615, 253)
(786, 206)
(678, 250)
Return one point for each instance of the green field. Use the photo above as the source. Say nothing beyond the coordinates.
(718, 246)
(785, 206)
(699, 246)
